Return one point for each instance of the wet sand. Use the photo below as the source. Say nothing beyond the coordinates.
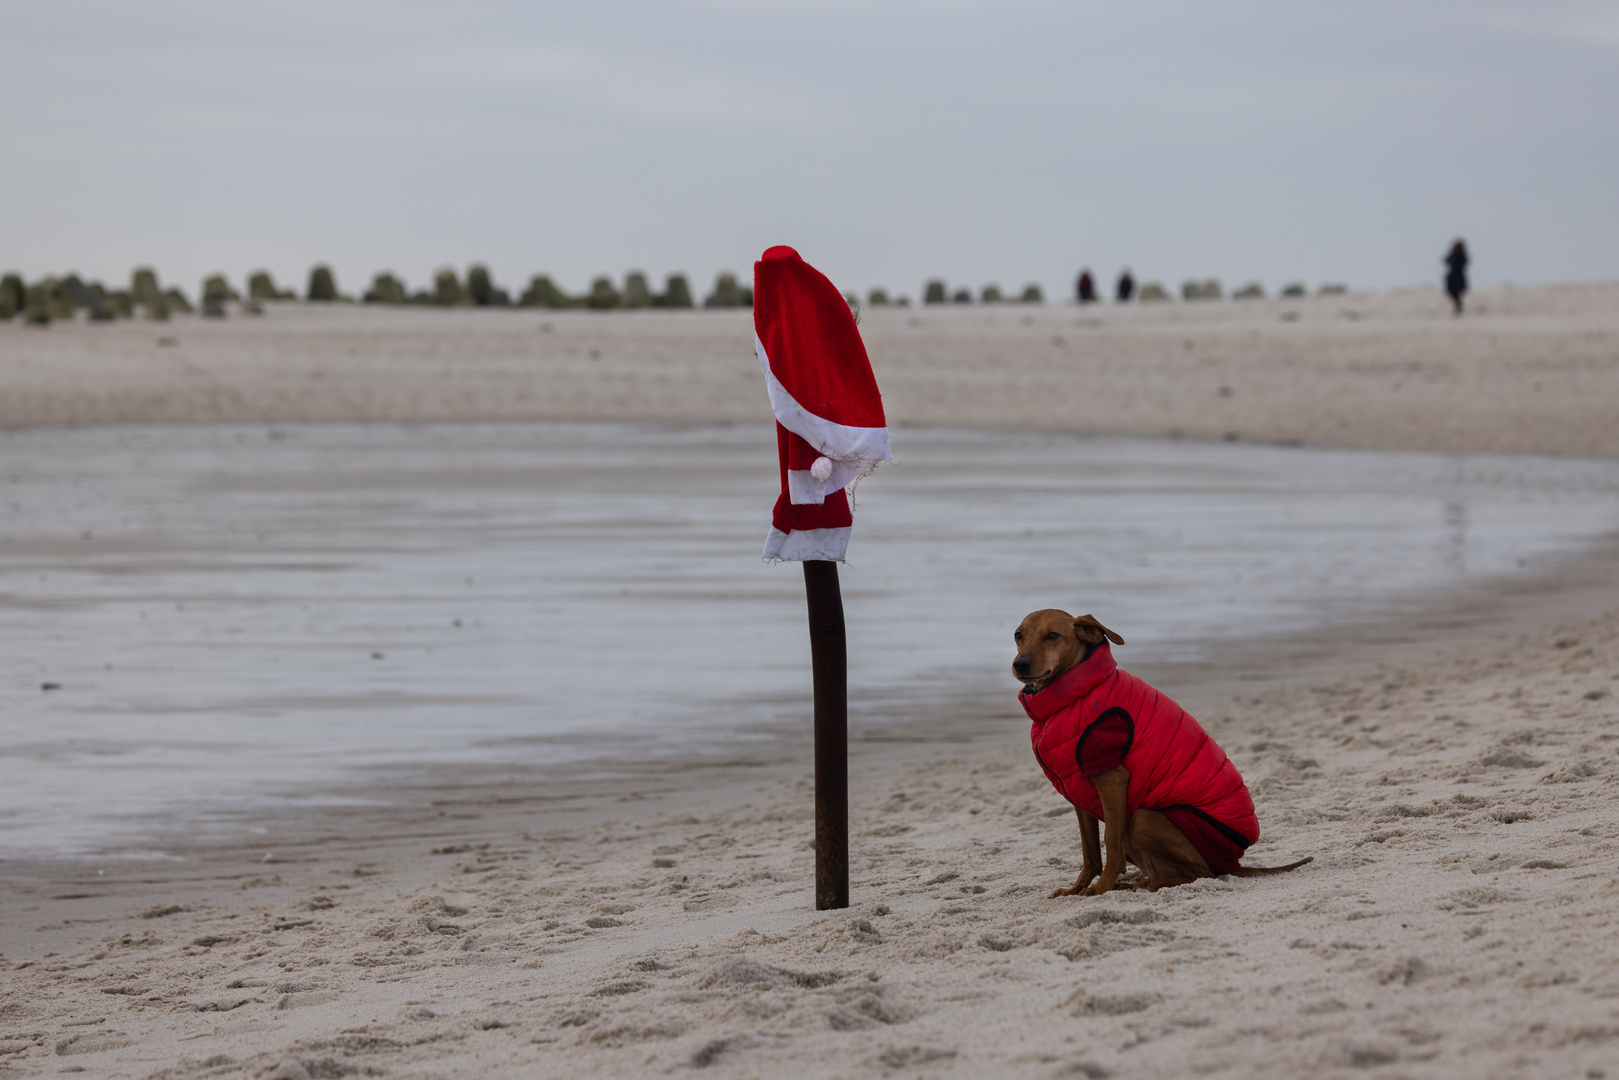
(236, 620)
(1450, 766)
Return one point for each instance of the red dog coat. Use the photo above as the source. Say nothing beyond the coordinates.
(1095, 718)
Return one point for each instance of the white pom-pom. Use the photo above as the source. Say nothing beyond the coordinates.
(822, 469)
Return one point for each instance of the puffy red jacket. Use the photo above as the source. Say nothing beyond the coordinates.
(1095, 718)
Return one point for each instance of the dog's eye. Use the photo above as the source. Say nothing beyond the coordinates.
(1018, 636)
(1054, 636)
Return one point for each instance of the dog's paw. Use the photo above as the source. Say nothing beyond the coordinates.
(1076, 888)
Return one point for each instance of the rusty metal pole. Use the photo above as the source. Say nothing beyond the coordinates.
(829, 658)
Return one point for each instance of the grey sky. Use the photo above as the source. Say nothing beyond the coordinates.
(1003, 141)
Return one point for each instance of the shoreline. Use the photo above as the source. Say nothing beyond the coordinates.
(1578, 584)
(303, 554)
(439, 804)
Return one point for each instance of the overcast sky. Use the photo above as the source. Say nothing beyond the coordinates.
(1007, 141)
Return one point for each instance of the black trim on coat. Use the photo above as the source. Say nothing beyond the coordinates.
(1079, 747)
(1225, 830)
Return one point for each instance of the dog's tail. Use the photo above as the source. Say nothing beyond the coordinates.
(1261, 871)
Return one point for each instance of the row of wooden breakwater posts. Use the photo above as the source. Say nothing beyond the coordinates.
(53, 298)
(62, 298)
(59, 298)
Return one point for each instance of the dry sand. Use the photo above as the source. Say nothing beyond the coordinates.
(1527, 370)
(1459, 919)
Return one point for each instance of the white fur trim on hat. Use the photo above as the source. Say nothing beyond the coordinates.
(807, 545)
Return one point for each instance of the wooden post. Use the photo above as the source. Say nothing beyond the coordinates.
(828, 656)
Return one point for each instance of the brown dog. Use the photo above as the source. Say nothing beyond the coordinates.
(1052, 643)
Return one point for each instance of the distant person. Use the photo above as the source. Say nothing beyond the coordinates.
(1456, 279)
(1086, 288)
(1126, 287)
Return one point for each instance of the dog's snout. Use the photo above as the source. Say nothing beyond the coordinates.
(1022, 665)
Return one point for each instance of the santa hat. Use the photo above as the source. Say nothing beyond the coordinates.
(830, 428)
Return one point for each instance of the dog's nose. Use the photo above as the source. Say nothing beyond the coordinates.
(1022, 665)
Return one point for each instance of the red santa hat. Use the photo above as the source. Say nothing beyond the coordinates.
(830, 428)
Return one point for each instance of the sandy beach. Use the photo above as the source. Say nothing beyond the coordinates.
(1527, 371)
(1458, 919)
(1450, 768)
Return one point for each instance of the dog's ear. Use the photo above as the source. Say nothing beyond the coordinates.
(1090, 630)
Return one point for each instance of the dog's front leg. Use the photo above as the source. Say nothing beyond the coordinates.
(1112, 787)
(1092, 847)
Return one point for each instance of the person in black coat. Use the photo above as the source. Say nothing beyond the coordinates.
(1126, 287)
(1456, 278)
(1086, 287)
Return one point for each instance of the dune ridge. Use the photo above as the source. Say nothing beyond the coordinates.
(1532, 370)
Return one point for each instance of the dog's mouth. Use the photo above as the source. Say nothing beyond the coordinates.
(1029, 681)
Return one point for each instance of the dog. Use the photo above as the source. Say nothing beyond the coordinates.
(1121, 752)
